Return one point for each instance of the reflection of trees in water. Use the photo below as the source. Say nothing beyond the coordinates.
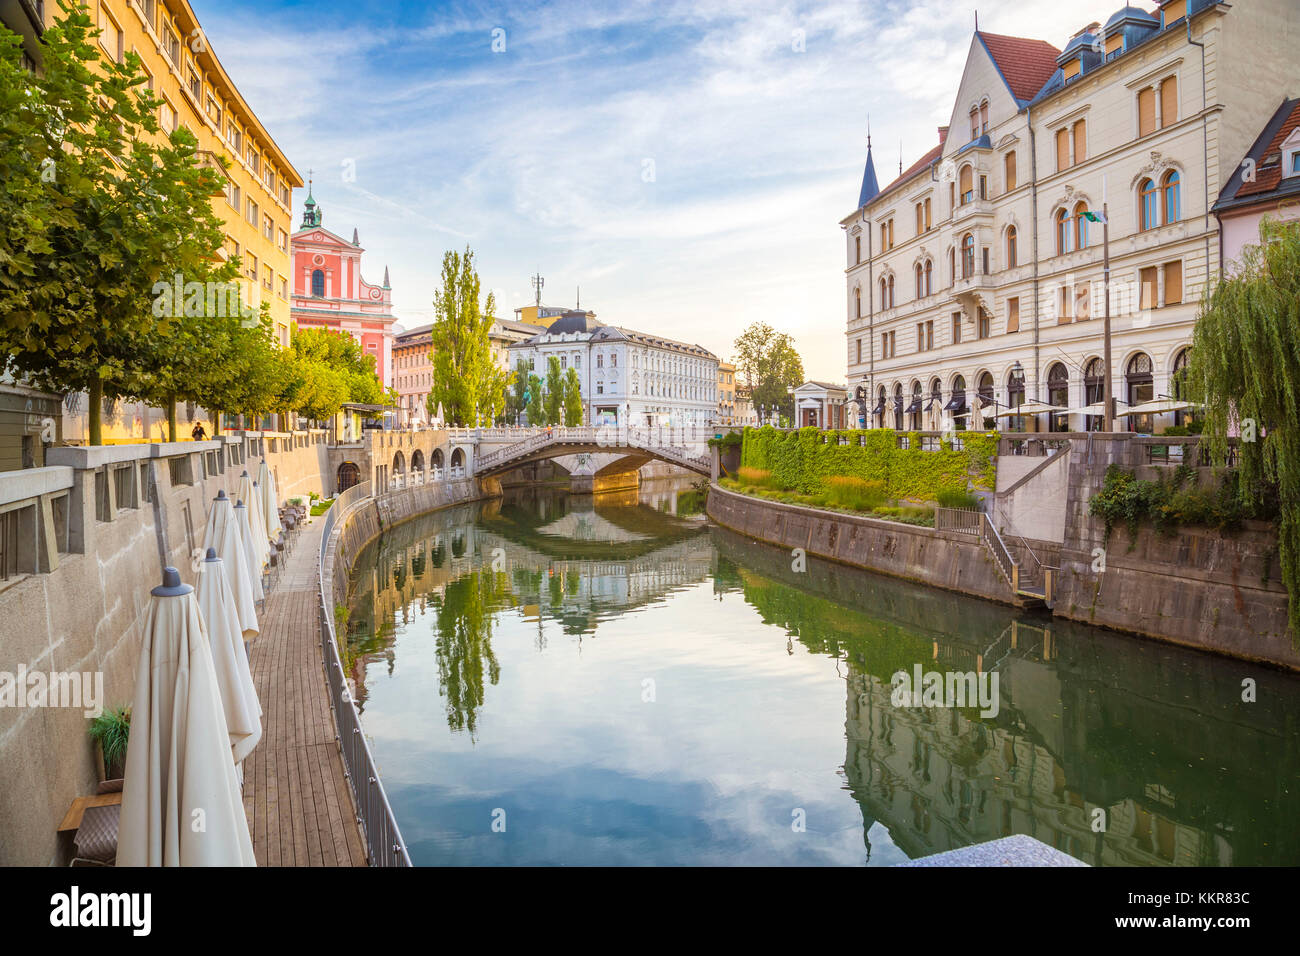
(463, 619)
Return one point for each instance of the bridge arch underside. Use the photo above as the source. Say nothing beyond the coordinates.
(629, 459)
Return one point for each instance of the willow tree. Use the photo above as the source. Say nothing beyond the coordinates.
(1245, 369)
(466, 381)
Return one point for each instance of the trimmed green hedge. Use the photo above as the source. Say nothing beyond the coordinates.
(803, 460)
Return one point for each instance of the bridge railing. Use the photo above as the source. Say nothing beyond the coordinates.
(671, 442)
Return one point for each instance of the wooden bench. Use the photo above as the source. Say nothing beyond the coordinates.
(72, 819)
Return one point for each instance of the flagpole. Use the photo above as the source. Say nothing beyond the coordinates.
(1108, 421)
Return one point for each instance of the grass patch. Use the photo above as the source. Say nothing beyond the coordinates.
(852, 496)
(320, 507)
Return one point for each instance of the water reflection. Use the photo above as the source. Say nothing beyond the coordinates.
(502, 656)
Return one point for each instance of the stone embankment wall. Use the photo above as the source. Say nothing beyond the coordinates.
(956, 562)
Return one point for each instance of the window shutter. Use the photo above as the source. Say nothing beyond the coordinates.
(1173, 282)
(1148, 281)
(1169, 101)
(1010, 162)
(1080, 141)
(1013, 314)
(1146, 111)
(965, 180)
(1062, 149)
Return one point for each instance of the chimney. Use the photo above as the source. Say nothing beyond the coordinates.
(943, 135)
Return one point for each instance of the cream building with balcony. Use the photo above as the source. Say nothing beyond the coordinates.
(974, 280)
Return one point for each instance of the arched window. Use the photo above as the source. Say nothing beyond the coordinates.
(884, 294)
(966, 187)
(1062, 232)
(1080, 226)
(1094, 392)
(1148, 205)
(857, 311)
(891, 291)
(1140, 385)
(1058, 394)
(318, 283)
(957, 403)
(929, 277)
(898, 407)
(919, 273)
(986, 403)
(1011, 247)
(1016, 398)
(1173, 211)
(968, 255)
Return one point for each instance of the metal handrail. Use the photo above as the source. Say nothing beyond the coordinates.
(384, 843)
(999, 549)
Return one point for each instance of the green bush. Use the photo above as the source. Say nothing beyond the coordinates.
(1174, 500)
(951, 498)
(854, 494)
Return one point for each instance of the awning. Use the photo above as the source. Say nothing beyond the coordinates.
(958, 401)
(929, 406)
(1160, 407)
(898, 402)
(914, 407)
(1097, 409)
(878, 409)
(985, 399)
(1030, 408)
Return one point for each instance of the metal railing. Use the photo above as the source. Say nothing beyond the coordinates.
(384, 843)
(1000, 553)
(960, 520)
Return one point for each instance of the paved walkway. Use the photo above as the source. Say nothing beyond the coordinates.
(298, 801)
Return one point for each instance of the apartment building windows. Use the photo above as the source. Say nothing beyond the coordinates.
(194, 84)
(887, 344)
(167, 117)
(886, 292)
(1148, 205)
(974, 123)
(1064, 305)
(251, 213)
(1011, 247)
(1173, 275)
(284, 287)
(925, 336)
(956, 328)
(172, 46)
(1080, 225)
(1064, 232)
(1157, 106)
(1169, 185)
(857, 307)
(283, 242)
(254, 160)
(920, 218)
(887, 235)
(983, 325)
(1009, 170)
(984, 187)
(235, 137)
(857, 249)
(984, 253)
(268, 228)
(110, 36)
(233, 194)
(268, 278)
(928, 220)
(1062, 149)
(212, 110)
(1080, 136)
(968, 255)
(284, 194)
(859, 350)
(269, 178)
(966, 184)
(1013, 314)
(984, 117)
(251, 269)
(1083, 302)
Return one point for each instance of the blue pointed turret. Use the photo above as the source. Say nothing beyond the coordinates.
(870, 187)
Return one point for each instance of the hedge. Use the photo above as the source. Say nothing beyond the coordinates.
(802, 460)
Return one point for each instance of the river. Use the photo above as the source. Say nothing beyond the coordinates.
(555, 679)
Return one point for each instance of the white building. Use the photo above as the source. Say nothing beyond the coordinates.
(626, 376)
(974, 280)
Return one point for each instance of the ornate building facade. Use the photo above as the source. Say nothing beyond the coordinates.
(974, 280)
(329, 291)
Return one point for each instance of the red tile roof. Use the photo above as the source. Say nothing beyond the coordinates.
(1267, 178)
(915, 169)
(1025, 64)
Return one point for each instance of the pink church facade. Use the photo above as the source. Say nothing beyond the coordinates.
(329, 291)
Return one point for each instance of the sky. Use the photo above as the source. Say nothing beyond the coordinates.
(685, 163)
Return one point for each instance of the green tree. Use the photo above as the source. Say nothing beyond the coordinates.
(536, 408)
(572, 399)
(329, 369)
(554, 391)
(769, 365)
(1245, 370)
(466, 381)
(517, 395)
(96, 206)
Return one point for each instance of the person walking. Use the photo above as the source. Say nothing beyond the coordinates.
(198, 434)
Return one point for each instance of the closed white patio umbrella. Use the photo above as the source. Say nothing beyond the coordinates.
(222, 535)
(180, 797)
(269, 500)
(249, 495)
(243, 711)
(249, 540)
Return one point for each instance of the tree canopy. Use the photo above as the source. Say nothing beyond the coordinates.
(769, 365)
(467, 382)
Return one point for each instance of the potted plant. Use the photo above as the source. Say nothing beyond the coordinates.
(111, 729)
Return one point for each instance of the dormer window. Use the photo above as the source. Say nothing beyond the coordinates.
(1293, 164)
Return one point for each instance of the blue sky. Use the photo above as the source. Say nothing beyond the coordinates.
(685, 163)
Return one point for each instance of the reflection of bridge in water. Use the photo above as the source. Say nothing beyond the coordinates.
(1088, 720)
(411, 567)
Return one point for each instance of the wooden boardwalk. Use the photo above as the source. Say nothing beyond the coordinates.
(298, 801)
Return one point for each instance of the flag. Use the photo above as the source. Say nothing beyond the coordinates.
(1094, 217)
